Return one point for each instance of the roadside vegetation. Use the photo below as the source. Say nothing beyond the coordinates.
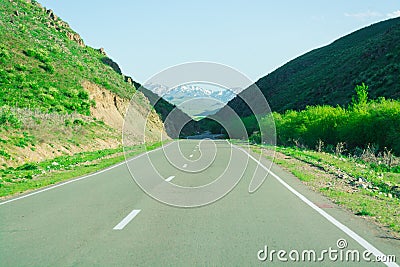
(374, 124)
(363, 124)
(35, 175)
(350, 154)
(359, 184)
(31, 135)
(38, 149)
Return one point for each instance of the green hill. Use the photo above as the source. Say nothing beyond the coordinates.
(57, 95)
(328, 75)
(44, 62)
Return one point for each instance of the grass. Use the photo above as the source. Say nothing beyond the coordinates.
(306, 177)
(352, 166)
(324, 173)
(34, 175)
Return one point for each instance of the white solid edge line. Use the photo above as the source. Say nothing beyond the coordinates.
(81, 178)
(169, 179)
(344, 228)
(126, 220)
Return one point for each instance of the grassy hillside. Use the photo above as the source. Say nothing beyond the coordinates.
(327, 76)
(43, 62)
(58, 96)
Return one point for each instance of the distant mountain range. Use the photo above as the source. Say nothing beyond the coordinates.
(185, 92)
(207, 101)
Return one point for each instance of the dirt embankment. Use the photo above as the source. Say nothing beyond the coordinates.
(109, 107)
(136, 118)
(45, 136)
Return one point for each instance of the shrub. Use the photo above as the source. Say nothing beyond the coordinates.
(48, 67)
(3, 153)
(38, 54)
(362, 96)
(68, 122)
(362, 124)
(8, 118)
(83, 95)
(4, 53)
(20, 67)
(78, 122)
(255, 138)
(28, 167)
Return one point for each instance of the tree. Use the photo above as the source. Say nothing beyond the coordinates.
(362, 96)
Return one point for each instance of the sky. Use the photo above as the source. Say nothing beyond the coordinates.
(254, 37)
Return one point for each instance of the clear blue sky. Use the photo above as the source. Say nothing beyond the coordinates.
(254, 37)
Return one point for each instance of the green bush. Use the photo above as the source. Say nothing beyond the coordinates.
(4, 55)
(79, 122)
(255, 138)
(68, 122)
(20, 67)
(362, 124)
(8, 118)
(3, 153)
(38, 54)
(48, 67)
(28, 167)
(362, 96)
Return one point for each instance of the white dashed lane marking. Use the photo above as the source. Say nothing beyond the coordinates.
(169, 179)
(126, 220)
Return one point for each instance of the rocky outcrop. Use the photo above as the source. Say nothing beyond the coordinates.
(102, 51)
(56, 23)
(132, 82)
(52, 15)
(128, 80)
(76, 38)
(108, 61)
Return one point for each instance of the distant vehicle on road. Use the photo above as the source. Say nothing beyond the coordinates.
(206, 135)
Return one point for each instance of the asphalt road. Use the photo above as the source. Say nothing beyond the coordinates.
(106, 219)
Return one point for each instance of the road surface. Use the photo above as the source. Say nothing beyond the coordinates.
(106, 219)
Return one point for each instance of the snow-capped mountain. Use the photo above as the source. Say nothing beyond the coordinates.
(186, 92)
(208, 99)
